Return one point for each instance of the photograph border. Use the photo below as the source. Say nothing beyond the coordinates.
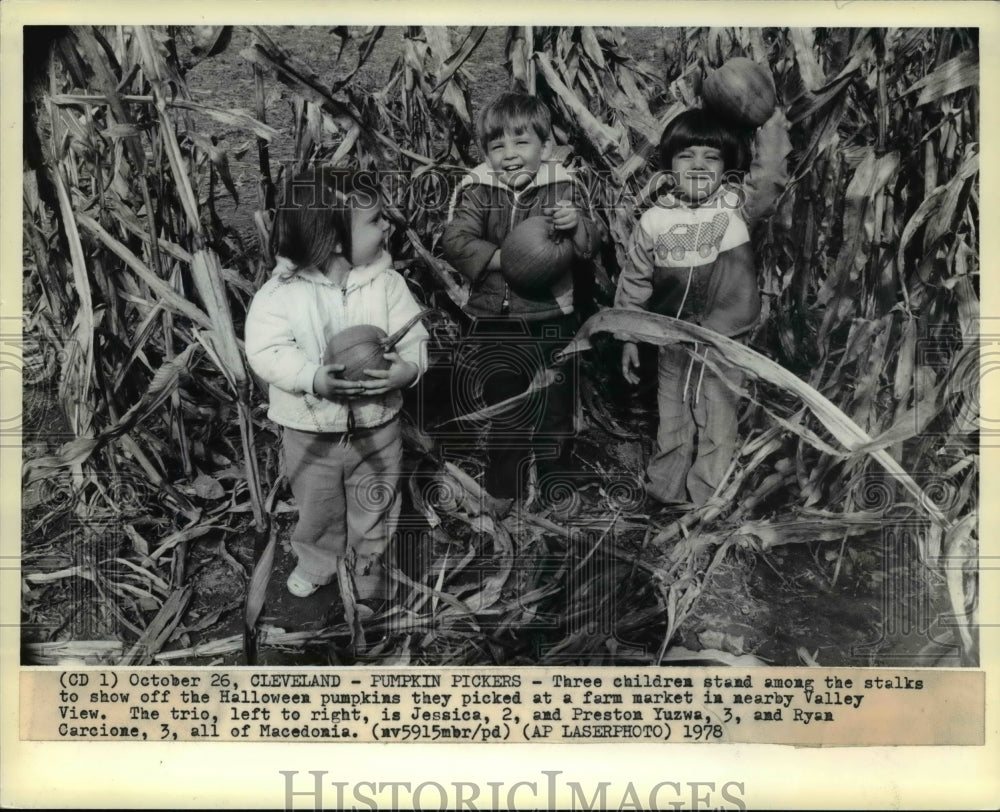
(116, 775)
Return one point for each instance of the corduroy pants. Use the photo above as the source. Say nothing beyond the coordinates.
(697, 434)
(348, 500)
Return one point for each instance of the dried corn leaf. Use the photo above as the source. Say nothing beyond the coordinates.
(436, 594)
(58, 575)
(91, 652)
(209, 40)
(604, 138)
(454, 61)
(660, 330)
(257, 588)
(591, 47)
(168, 296)
(230, 117)
(871, 176)
(487, 598)
(803, 41)
(79, 373)
(961, 554)
(459, 294)
(70, 455)
(954, 192)
(187, 534)
(219, 160)
(768, 174)
(160, 629)
(832, 527)
(542, 379)
(207, 272)
(950, 77)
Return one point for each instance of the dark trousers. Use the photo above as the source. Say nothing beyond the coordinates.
(502, 358)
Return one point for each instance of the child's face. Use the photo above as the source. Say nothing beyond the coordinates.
(368, 230)
(515, 157)
(698, 171)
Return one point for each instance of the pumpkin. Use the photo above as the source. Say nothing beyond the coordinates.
(363, 346)
(534, 256)
(741, 90)
(358, 348)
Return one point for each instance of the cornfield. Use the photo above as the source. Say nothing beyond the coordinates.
(150, 468)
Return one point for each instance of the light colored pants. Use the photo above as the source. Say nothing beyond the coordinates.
(348, 500)
(696, 438)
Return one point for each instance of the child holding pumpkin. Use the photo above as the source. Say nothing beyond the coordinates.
(513, 324)
(690, 258)
(340, 437)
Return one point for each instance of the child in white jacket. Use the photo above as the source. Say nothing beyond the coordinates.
(341, 438)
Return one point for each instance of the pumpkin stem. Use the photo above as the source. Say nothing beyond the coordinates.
(391, 341)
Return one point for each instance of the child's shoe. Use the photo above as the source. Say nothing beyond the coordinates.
(299, 586)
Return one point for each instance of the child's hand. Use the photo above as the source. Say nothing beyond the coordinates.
(630, 362)
(777, 119)
(328, 384)
(382, 381)
(564, 215)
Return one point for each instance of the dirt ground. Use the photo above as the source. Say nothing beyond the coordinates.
(226, 80)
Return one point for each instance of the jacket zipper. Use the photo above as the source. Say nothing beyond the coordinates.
(346, 439)
(514, 212)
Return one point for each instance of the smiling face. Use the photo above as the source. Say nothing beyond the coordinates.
(515, 157)
(368, 230)
(698, 170)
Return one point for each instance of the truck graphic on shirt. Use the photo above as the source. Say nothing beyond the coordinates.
(683, 238)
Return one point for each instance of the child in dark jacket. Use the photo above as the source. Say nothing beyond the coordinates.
(513, 335)
(690, 258)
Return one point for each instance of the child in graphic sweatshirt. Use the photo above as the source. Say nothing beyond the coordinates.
(690, 258)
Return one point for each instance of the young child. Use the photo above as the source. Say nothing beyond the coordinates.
(690, 258)
(341, 439)
(513, 335)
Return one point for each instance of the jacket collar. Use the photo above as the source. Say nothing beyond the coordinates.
(669, 200)
(549, 172)
(359, 275)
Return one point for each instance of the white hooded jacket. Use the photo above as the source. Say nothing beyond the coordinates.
(294, 315)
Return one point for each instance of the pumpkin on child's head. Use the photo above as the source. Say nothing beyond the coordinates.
(740, 90)
(358, 348)
(534, 257)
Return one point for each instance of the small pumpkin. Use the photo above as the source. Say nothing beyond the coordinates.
(534, 256)
(363, 346)
(740, 90)
(358, 348)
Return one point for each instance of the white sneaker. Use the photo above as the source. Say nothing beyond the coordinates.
(299, 586)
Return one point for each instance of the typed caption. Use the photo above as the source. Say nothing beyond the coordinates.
(778, 706)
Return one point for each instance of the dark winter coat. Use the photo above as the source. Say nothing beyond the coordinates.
(484, 211)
